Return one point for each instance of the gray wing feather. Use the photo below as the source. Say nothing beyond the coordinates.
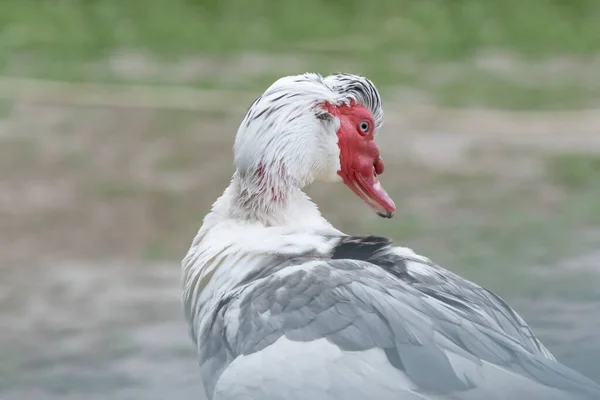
(442, 349)
(479, 305)
(465, 299)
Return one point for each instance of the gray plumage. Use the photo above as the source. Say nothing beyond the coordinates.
(370, 300)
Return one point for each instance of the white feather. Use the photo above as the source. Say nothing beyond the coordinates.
(327, 371)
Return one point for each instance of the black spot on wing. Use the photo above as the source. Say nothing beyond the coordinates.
(374, 249)
(359, 247)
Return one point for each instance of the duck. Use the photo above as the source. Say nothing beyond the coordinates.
(281, 305)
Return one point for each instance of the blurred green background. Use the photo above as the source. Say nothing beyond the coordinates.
(509, 54)
(117, 120)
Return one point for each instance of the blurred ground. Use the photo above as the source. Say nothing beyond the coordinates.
(97, 206)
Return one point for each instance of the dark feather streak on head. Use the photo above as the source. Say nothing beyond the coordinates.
(361, 89)
(273, 99)
(349, 86)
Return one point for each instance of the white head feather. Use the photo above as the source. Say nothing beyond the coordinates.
(287, 139)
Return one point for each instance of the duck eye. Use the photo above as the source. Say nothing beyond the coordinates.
(364, 126)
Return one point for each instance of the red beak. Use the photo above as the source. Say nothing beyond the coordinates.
(365, 183)
(370, 190)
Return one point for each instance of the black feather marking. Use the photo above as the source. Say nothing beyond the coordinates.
(372, 249)
(254, 102)
(281, 96)
(323, 115)
(359, 247)
(361, 89)
(272, 110)
(261, 113)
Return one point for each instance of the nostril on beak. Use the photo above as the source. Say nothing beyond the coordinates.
(378, 166)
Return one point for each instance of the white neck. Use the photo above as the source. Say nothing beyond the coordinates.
(239, 235)
(270, 203)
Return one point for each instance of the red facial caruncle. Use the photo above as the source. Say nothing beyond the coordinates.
(360, 161)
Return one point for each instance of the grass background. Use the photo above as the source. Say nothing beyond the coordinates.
(431, 30)
(512, 54)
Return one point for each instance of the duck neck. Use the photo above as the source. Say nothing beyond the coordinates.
(262, 197)
(267, 200)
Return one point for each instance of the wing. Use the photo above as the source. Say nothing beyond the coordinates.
(475, 303)
(471, 301)
(348, 329)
